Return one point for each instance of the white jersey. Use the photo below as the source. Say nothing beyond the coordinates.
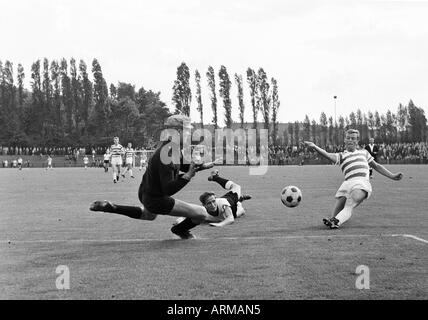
(85, 160)
(222, 204)
(20, 161)
(354, 164)
(49, 161)
(106, 156)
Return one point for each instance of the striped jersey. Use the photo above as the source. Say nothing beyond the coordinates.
(143, 155)
(129, 153)
(116, 150)
(354, 164)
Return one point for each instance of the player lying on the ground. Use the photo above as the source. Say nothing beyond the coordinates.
(161, 181)
(227, 207)
(356, 188)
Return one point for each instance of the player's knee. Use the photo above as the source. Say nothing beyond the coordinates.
(234, 187)
(358, 196)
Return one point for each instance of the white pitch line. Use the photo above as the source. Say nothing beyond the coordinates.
(413, 237)
(219, 239)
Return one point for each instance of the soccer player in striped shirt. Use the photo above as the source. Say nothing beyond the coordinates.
(354, 163)
(129, 160)
(116, 152)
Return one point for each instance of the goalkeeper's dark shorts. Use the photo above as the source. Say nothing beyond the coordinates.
(156, 205)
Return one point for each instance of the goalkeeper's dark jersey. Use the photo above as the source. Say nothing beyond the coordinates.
(162, 179)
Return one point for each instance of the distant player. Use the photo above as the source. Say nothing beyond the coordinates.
(116, 153)
(85, 161)
(143, 159)
(161, 181)
(49, 162)
(227, 207)
(129, 160)
(356, 188)
(94, 163)
(20, 163)
(14, 163)
(106, 160)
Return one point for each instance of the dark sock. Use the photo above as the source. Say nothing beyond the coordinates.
(129, 211)
(184, 226)
(221, 181)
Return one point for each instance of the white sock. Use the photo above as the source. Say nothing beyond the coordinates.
(114, 175)
(346, 212)
(130, 172)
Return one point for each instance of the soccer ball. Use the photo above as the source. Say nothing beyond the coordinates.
(291, 196)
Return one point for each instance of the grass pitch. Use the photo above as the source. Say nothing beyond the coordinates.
(273, 252)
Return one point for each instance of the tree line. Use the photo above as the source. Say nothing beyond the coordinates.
(408, 124)
(64, 107)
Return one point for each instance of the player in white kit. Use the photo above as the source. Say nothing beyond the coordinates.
(129, 160)
(85, 161)
(143, 159)
(20, 163)
(106, 160)
(49, 161)
(355, 164)
(117, 151)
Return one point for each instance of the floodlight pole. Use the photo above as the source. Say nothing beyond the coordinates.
(335, 98)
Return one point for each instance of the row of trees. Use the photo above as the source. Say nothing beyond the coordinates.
(263, 96)
(65, 108)
(408, 124)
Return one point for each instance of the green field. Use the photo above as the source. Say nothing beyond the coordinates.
(272, 253)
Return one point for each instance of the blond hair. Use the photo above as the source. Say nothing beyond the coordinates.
(352, 131)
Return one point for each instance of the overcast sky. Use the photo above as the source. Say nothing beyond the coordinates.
(372, 55)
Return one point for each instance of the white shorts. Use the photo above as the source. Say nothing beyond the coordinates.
(116, 161)
(348, 186)
(129, 161)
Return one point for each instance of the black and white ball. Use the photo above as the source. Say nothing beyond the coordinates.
(291, 196)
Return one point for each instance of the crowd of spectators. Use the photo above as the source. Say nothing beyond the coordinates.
(54, 151)
(415, 152)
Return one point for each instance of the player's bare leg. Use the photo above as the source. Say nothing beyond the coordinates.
(116, 173)
(228, 185)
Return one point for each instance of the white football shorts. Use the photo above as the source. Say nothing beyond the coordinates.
(116, 161)
(348, 186)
